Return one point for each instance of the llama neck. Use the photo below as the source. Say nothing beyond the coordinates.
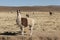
(19, 15)
(18, 18)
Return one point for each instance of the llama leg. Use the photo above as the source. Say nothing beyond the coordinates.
(31, 30)
(23, 31)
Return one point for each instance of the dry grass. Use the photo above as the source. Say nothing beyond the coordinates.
(47, 26)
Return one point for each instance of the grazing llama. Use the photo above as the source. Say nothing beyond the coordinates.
(25, 22)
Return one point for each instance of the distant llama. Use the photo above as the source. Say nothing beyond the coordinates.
(25, 22)
(50, 13)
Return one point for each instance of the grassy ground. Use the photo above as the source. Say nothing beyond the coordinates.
(47, 26)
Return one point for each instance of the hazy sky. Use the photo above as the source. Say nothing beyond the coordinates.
(28, 2)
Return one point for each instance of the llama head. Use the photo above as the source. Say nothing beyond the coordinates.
(18, 12)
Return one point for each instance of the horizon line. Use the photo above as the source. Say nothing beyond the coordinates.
(26, 5)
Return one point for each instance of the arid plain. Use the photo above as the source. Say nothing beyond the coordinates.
(47, 26)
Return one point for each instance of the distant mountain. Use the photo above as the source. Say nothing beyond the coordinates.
(31, 8)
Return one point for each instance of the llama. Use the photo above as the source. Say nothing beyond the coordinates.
(50, 13)
(24, 22)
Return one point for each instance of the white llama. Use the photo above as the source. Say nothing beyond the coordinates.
(25, 22)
